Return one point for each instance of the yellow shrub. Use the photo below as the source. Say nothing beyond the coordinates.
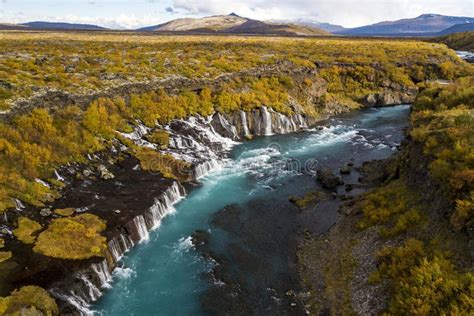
(424, 283)
(73, 238)
(5, 255)
(28, 300)
(26, 230)
(65, 211)
(391, 203)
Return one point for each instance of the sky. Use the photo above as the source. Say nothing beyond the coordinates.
(124, 14)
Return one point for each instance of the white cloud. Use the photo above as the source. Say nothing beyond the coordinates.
(122, 21)
(347, 12)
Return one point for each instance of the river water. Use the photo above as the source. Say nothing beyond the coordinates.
(164, 275)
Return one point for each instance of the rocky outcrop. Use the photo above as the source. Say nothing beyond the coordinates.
(389, 98)
(328, 179)
(260, 122)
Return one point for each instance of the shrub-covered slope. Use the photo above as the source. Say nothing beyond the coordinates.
(406, 247)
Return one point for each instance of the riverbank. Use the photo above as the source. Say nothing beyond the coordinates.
(410, 237)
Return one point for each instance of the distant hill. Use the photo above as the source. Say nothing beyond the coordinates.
(458, 41)
(232, 24)
(458, 28)
(331, 28)
(40, 25)
(11, 26)
(426, 24)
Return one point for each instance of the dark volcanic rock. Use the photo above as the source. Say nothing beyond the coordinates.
(228, 218)
(328, 179)
(346, 169)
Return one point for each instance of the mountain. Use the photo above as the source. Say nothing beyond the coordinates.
(11, 26)
(211, 23)
(425, 24)
(458, 28)
(61, 26)
(232, 24)
(331, 28)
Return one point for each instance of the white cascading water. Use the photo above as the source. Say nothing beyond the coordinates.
(301, 121)
(205, 167)
(58, 176)
(19, 206)
(139, 131)
(267, 122)
(74, 300)
(227, 126)
(284, 125)
(102, 271)
(118, 246)
(164, 205)
(42, 183)
(142, 230)
(243, 119)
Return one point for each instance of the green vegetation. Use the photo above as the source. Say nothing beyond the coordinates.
(73, 238)
(424, 282)
(81, 63)
(310, 199)
(394, 206)
(28, 300)
(163, 163)
(159, 137)
(443, 121)
(26, 230)
(69, 211)
(459, 41)
(5, 255)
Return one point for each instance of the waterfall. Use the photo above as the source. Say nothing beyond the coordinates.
(93, 292)
(243, 119)
(118, 246)
(102, 271)
(202, 169)
(74, 300)
(164, 205)
(42, 183)
(18, 205)
(229, 128)
(137, 135)
(142, 230)
(58, 177)
(301, 121)
(267, 122)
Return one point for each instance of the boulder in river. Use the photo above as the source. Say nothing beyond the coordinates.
(328, 179)
(45, 212)
(105, 173)
(346, 169)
